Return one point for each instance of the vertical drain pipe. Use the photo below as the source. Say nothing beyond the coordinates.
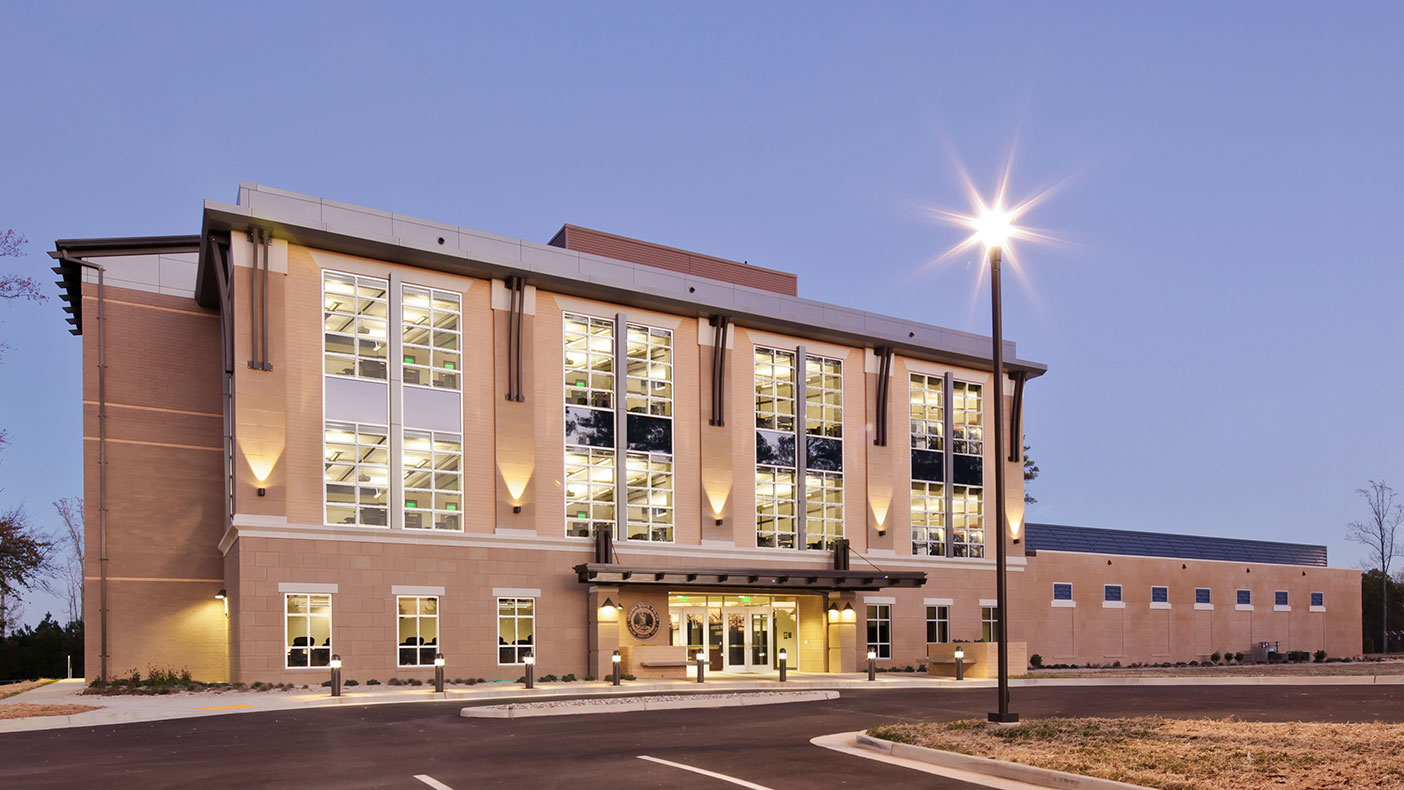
(265, 241)
(102, 465)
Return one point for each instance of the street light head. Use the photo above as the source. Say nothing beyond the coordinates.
(993, 226)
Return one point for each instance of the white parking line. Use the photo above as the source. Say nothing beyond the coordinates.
(432, 782)
(705, 772)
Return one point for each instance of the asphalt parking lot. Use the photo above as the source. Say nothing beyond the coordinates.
(388, 746)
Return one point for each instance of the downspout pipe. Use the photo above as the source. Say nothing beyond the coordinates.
(102, 461)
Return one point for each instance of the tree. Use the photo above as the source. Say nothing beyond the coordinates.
(13, 286)
(1379, 535)
(1030, 472)
(24, 558)
(70, 543)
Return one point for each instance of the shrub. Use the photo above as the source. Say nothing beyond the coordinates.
(1215, 657)
(1194, 663)
(1116, 664)
(353, 682)
(396, 682)
(909, 668)
(1035, 660)
(1319, 656)
(1238, 657)
(568, 678)
(592, 677)
(372, 682)
(627, 676)
(415, 682)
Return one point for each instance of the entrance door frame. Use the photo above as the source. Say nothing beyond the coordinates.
(748, 615)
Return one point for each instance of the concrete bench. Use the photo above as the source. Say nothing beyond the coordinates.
(965, 664)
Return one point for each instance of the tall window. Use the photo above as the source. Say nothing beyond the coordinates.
(589, 429)
(968, 492)
(354, 317)
(516, 629)
(418, 629)
(777, 522)
(357, 474)
(777, 471)
(880, 629)
(823, 428)
(989, 623)
(433, 475)
(928, 424)
(938, 624)
(648, 401)
(307, 627)
(593, 451)
(431, 338)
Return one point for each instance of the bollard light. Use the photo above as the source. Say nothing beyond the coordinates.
(616, 659)
(439, 672)
(960, 663)
(784, 657)
(530, 662)
(872, 665)
(336, 675)
(701, 665)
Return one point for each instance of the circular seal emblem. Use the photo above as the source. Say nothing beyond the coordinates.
(643, 620)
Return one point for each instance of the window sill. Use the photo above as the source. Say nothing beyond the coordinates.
(1113, 604)
(1243, 607)
(1060, 604)
(1276, 608)
(1204, 607)
(1318, 608)
(1160, 605)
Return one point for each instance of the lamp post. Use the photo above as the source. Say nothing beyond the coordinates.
(439, 672)
(995, 237)
(616, 659)
(784, 657)
(530, 662)
(336, 675)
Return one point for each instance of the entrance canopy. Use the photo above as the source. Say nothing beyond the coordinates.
(817, 580)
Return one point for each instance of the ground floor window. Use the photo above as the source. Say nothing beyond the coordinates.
(880, 629)
(938, 624)
(307, 623)
(418, 630)
(989, 623)
(516, 629)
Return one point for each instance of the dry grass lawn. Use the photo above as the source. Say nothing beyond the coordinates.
(24, 710)
(11, 689)
(1204, 754)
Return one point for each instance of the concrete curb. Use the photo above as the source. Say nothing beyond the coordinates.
(1042, 777)
(532, 709)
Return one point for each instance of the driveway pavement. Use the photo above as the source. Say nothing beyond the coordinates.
(764, 747)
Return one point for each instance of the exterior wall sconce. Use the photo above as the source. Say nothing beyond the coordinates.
(610, 609)
(221, 595)
(516, 508)
(262, 492)
(833, 612)
(719, 522)
(848, 615)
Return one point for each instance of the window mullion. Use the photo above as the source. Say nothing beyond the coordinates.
(394, 330)
(948, 460)
(801, 488)
(621, 427)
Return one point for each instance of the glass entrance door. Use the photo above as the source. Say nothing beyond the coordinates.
(748, 639)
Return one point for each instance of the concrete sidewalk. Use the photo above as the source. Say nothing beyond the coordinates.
(121, 709)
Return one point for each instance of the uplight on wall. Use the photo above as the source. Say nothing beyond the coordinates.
(848, 615)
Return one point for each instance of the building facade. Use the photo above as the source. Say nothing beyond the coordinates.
(318, 429)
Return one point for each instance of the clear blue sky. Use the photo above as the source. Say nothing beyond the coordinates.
(1222, 330)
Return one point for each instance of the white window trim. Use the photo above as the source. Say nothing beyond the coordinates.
(879, 599)
(947, 621)
(411, 589)
(1165, 604)
(1243, 607)
(1160, 605)
(322, 319)
(1203, 607)
(306, 588)
(1117, 604)
(1060, 604)
(988, 602)
(938, 601)
(1318, 608)
(303, 589)
(515, 592)
(497, 630)
(1113, 604)
(1281, 608)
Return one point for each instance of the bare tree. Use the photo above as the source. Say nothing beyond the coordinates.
(24, 559)
(13, 286)
(1379, 536)
(70, 544)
